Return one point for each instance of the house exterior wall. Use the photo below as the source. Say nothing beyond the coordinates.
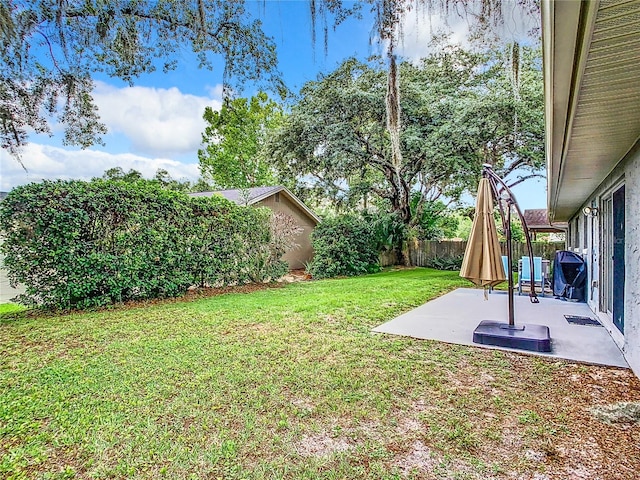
(632, 262)
(7, 292)
(585, 236)
(296, 258)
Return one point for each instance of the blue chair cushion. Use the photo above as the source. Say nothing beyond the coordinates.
(525, 272)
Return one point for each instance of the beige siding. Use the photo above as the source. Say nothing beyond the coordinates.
(298, 257)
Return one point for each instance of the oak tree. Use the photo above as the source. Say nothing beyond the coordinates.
(458, 111)
(234, 139)
(50, 51)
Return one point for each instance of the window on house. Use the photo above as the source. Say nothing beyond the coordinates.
(571, 235)
(277, 197)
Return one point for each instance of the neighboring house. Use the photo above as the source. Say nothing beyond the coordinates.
(537, 221)
(278, 199)
(591, 57)
(7, 292)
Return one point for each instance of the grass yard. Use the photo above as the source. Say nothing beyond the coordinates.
(289, 382)
(10, 308)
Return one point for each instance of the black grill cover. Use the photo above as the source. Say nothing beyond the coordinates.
(569, 276)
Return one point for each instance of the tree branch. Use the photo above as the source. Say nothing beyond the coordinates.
(526, 177)
(53, 57)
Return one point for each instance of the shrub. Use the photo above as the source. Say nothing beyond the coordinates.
(432, 219)
(446, 262)
(388, 230)
(80, 244)
(344, 245)
(227, 243)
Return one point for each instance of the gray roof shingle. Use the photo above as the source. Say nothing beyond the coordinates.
(240, 196)
(249, 196)
(538, 219)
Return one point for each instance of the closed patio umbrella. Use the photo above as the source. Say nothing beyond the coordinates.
(482, 265)
(482, 262)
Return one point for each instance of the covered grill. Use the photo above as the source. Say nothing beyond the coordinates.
(569, 276)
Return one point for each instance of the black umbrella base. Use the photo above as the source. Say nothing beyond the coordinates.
(534, 338)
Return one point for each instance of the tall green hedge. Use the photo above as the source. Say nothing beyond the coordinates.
(344, 245)
(77, 244)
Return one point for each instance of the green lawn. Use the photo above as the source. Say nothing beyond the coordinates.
(10, 308)
(290, 382)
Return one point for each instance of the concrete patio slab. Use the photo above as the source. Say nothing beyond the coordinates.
(453, 317)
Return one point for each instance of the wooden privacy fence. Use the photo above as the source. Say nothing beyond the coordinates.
(422, 251)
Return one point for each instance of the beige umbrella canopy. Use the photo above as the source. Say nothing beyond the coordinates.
(482, 262)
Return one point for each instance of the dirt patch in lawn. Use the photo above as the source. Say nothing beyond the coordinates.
(420, 458)
(582, 424)
(321, 445)
(500, 416)
(572, 422)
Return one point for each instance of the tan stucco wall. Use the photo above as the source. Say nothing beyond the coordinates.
(298, 257)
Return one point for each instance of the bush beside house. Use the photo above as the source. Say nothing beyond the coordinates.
(282, 202)
(77, 244)
(345, 245)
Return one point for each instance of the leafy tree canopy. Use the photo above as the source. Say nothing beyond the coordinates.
(118, 173)
(234, 140)
(50, 49)
(162, 178)
(458, 110)
(501, 120)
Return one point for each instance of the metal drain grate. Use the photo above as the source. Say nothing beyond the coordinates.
(579, 320)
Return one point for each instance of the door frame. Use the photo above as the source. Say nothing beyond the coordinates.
(619, 255)
(611, 293)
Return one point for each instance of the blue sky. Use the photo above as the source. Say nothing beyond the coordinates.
(158, 122)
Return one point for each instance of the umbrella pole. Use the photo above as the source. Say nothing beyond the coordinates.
(495, 180)
(507, 234)
(505, 216)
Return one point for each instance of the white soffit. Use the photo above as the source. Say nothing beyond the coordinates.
(602, 114)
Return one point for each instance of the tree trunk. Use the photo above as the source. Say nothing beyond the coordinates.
(401, 190)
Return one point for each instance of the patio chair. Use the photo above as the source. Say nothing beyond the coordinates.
(524, 274)
(507, 270)
(506, 266)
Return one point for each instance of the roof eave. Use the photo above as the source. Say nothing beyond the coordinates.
(264, 195)
(591, 56)
(566, 30)
(291, 196)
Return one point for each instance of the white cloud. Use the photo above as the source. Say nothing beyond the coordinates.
(50, 163)
(420, 24)
(157, 121)
(215, 91)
